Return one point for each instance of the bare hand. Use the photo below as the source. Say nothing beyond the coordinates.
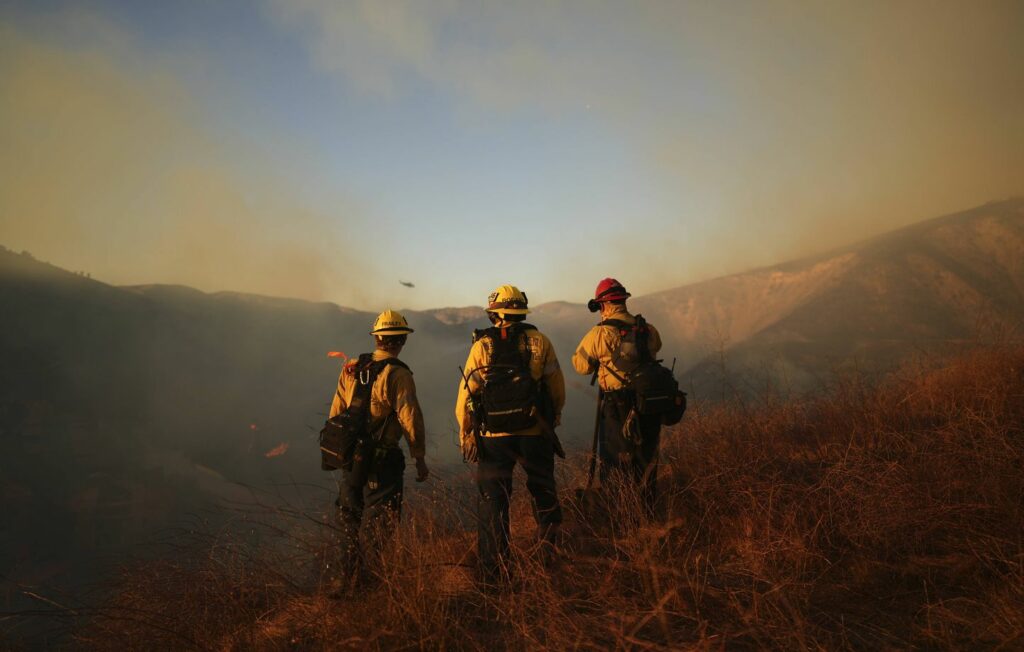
(469, 451)
(422, 472)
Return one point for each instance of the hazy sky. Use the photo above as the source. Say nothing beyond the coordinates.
(326, 149)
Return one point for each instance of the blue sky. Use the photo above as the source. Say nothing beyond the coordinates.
(326, 150)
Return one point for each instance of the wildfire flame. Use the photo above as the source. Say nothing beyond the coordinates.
(277, 451)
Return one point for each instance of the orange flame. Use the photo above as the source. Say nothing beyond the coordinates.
(277, 451)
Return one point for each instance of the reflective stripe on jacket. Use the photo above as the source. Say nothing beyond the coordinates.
(393, 392)
(601, 343)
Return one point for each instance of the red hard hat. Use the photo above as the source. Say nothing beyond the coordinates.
(607, 290)
(610, 290)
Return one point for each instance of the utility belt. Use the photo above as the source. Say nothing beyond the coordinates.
(369, 452)
(526, 432)
(623, 397)
(378, 433)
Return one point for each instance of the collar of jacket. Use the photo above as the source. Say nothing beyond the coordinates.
(620, 313)
(505, 324)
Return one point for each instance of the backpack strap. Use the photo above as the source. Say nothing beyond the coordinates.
(392, 361)
(643, 338)
(641, 334)
(622, 380)
(505, 344)
(366, 372)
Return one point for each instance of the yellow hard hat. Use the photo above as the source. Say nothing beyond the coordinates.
(507, 299)
(390, 322)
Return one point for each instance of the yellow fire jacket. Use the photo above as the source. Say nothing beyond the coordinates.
(601, 346)
(543, 365)
(393, 393)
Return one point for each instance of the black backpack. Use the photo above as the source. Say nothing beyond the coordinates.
(509, 396)
(346, 440)
(655, 389)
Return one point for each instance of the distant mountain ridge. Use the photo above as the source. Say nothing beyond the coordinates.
(931, 281)
(936, 281)
(131, 405)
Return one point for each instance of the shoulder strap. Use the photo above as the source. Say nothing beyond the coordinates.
(643, 336)
(380, 364)
(365, 374)
(505, 344)
(367, 370)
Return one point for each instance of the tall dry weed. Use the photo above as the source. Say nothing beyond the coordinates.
(872, 516)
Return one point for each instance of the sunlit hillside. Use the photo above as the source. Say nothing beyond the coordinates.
(941, 280)
(865, 517)
(128, 409)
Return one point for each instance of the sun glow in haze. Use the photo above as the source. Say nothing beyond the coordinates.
(325, 150)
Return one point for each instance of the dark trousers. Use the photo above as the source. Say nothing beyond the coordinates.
(623, 459)
(498, 457)
(378, 504)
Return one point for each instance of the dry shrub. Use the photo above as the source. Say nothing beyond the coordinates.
(867, 517)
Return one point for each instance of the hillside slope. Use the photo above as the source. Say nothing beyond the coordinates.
(938, 281)
(864, 518)
(126, 408)
(123, 410)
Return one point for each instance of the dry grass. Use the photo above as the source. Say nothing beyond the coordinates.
(869, 517)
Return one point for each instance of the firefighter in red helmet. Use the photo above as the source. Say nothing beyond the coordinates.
(628, 441)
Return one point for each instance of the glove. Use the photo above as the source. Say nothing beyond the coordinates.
(422, 472)
(469, 452)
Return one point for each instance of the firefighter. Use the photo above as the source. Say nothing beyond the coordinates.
(394, 412)
(510, 400)
(628, 441)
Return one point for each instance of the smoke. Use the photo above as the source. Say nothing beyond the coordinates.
(732, 135)
(769, 131)
(106, 167)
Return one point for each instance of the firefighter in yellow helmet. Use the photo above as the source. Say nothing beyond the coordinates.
(510, 401)
(628, 441)
(371, 490)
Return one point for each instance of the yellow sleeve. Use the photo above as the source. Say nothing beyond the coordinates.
(584, 360)
(654, 342)
(554, 379)
(402, 396)
(473, 363)
(338, 404)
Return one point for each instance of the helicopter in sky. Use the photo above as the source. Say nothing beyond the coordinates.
(407, 284)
